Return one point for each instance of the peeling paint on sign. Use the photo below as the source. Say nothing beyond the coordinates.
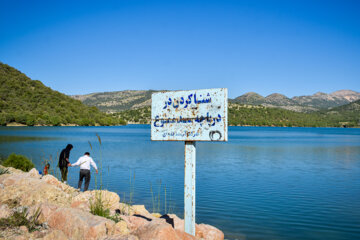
(195, 115)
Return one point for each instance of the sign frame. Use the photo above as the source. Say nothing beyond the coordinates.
(191, 115)
(205, 119)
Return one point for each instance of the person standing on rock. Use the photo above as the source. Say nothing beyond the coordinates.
(64, 162)
(84, 162)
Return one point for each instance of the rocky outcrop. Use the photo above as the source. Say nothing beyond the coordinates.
(24, 190)
(65, 213)
(157, 230)
(75, 223)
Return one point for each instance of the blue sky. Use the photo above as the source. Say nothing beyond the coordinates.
(289, 47)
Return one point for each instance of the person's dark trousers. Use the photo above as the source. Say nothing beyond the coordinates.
(64, 173)
(84, 174)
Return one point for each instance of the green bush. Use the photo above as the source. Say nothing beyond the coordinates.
(19, 162)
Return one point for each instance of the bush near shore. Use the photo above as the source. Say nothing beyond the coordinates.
(19, 162)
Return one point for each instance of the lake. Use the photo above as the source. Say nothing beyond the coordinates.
(264, 183)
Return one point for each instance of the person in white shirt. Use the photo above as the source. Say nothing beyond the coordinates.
(84, 163)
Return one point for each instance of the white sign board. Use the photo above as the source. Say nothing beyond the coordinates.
(195, 115)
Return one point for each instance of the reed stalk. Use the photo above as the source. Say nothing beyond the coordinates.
(157, 207)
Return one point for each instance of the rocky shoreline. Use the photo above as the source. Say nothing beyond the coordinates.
(64, 213)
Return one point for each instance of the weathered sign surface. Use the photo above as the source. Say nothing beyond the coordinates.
(195, 115)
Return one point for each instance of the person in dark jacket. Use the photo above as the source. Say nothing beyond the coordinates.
(64, 162)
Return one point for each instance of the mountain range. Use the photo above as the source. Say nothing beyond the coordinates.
(308, 103)
(30, 102)
(133, 99)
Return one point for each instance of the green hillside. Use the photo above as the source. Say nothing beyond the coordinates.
(30, 102)
(140, 115)
(249, 115)
(346, 115)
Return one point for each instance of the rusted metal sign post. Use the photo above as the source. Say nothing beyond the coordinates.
(190, 116)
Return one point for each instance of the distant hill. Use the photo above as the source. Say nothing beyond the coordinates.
(354, 107)
(250, 98)
(30, 102)
(346, 115)
(112, 102)
(117, 101)
(315, 102)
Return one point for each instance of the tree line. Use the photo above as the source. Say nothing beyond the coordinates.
(252, 115)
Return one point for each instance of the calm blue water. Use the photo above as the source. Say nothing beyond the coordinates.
(265, 183)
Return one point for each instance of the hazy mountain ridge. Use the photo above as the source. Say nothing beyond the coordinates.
(306, 103)
(134, 99)
(117, 101)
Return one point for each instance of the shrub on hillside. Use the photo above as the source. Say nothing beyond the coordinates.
(19, 162)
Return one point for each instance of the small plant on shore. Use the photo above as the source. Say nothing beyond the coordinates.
(157, 201)
(19, 162)
(116, 218)
(126, 204)
(100, 167)
(131, 188)
(100, 160)
(97, 207)
(125, 207)
(4, 171)
(22, 218)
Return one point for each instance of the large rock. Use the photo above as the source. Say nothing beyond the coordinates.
(55, 235)
(12, 170)
(75, 223)
(208, 232)
(66, 213)
(5, 211)
(134, 222)
(121, 228)
(156, 230)
(34, 173)
(23, 190)
(122, 237)
(203, 231)
(140, 210)
(125, 209)
(50, 179)
(109, 199)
